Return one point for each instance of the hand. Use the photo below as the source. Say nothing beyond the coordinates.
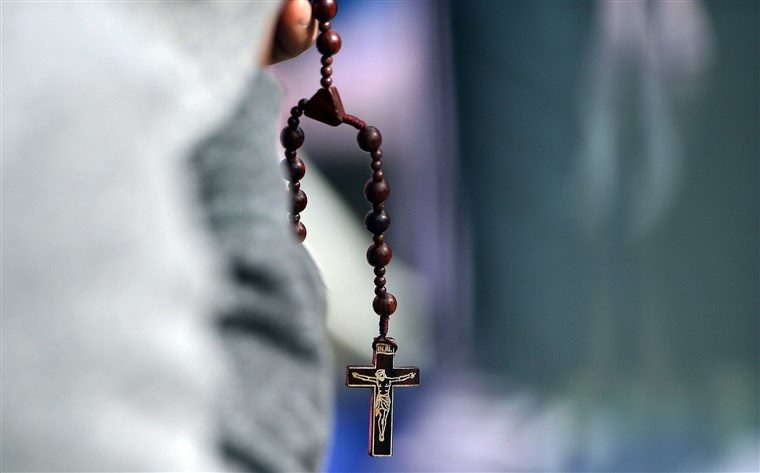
(294, 32)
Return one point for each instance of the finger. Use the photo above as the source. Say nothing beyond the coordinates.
(296, 30)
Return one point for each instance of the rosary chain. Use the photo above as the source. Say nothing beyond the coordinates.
(328, 41)
(376, 189)
(292, 138)
(377, 221)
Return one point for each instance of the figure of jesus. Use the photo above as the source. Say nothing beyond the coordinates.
(382, 404)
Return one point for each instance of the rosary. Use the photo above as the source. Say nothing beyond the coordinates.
(326, 107)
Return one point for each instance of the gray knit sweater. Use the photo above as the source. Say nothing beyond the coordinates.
(275, 406)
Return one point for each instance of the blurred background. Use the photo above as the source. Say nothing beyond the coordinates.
(575, 230)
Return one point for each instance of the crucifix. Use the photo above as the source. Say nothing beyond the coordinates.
(325, 106)
(381, 377)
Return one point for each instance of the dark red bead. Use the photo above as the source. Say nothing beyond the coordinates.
(376, 192)
(376, 165)
(378, 175)
(326, 82)
(299, 201)
(294, 169)
(327, 60)
(302, 103)
(379, 255)
(293, 122)
(379, 271)
(326, 71)
(369, 139)
(291, 138)
(385, 305)
(328, 42)
(296, 112)
(377, 222)
(294, 186)
(377, 155)
(325, 10)
(324, 26)
(380, 291)
(300, 231)
(380, 281)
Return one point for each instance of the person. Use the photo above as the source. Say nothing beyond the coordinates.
(156, 312)
(382, 404)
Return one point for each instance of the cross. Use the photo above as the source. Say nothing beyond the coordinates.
(382, 377)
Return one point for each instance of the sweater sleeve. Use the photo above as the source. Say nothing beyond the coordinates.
(274, 407)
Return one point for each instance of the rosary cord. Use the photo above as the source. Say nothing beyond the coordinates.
(377, 221)
(292, 138)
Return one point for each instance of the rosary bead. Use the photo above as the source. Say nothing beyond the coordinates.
(326, 71)
(369, 139)
(380, 271)
(299, 201)
(326, 82)
(325, 25)
(300, 231)
(294, 186)
(293, 122)
(291, 154)
(294, 169)
(380, 281)
(379, 255)
(376, 192)
(378, 176)
(291, 138)
(377, 222)
(385, 305)
(329, 42)
(327, 60)
(296, 112)
(380, 291)
(376, 165)
(295, 218)
(302, 103)
(325, 10)
(377, 155)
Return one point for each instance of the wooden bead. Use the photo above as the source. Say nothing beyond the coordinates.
(369, 139)
(294, 169)
(328, 43)
(376, 192)
(377, 222)
(325, 25)
(327, 60)
(377, 155)
(380, 291)
(296, 112)
(380, 271)
(326, 71)
(325, 10)
(326, 82)
(293, 122)
(385, 305)
(299, 201)
(291, 138)
(379, 255)
(294, 186)
(300, 230)
(380, 281)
